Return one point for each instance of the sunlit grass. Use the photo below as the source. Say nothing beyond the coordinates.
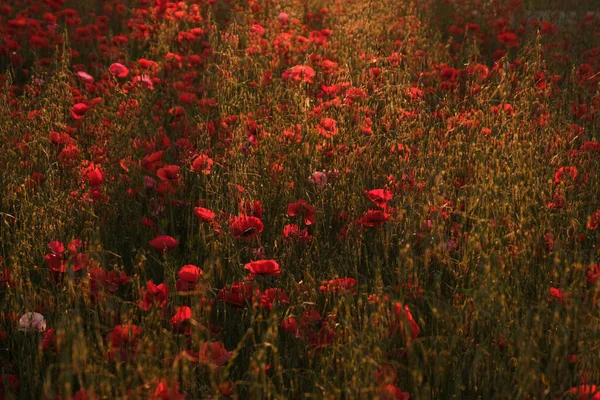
(422, 176)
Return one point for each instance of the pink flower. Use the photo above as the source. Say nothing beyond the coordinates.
(318, 178)
(144, 80)
(283, 17)
(85, 77)
(31, 322)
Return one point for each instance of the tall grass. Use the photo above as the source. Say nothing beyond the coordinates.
(447, 154)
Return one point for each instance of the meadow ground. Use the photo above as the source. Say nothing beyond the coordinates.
(298, 199)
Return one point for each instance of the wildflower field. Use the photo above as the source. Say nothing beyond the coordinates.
(299, 199)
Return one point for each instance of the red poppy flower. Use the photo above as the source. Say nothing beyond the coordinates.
(558, 295)
(214, 354)
(402, 315)
(290, 325)
(226, 389)
(540, 80)
(328, 66)
(586, 392)
(94, 176)
(190, 273)
(449, 74)
(321, 338)
(202, 163)
(593, 274)
(151, 162)
(6, 279)
(293, 232)
(122, 341)
(167, 391)
(299, 73)
(570, 171)
(508, 39)
(153, 295)
(113, 281)
(55, 262)
(340, 285)
(148, 64)
(59, 264)
(263, 267)
(119, 70)
(8, 384)
(302, 208)
(75, 245)
(79, 110)
(251, 207)
(391, 392)
(310, 317)
(238, 294)
(97, 280)
(270, 296)
(35, 180)
(49, 340)
(204, 214)
(188, 278)
(168, 173)
(374, 218)
(328, 127)
(414, 93)
(56, 247)
(163, 243)
(69, 154)
(380, 197)
(558, 202)
(246, 227)
(179, 322)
